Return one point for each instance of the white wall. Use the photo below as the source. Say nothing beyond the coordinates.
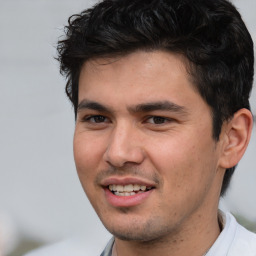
(38, 183)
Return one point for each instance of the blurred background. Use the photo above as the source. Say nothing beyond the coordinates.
(41, 200)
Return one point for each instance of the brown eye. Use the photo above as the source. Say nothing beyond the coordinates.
(96, 119)
(157, 120)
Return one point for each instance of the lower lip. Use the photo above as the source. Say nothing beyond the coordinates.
(126, 201)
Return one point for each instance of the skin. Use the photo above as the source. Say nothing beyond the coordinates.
(171, 148)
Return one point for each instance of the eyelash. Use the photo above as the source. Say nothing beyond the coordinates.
(88, 119)
(97, 119)
(156, 119)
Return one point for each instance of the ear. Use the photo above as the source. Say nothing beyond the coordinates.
(236, 136)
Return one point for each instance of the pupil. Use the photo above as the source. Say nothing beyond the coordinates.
(99, 119)
(158, 120)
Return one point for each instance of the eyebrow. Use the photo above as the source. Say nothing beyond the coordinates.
(158, 105)
(87, 104)
(144, 107)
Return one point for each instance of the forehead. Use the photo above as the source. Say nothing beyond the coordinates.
(140, 76)
(154, 60)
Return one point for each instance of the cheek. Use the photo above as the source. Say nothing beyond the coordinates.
(87, 154)
(183, 163)
(88, 157)
(172, 154)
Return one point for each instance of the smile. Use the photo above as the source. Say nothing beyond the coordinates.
(128, 190)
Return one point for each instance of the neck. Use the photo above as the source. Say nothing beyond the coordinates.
(193, 240)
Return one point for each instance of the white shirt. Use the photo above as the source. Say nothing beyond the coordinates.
(234, 240)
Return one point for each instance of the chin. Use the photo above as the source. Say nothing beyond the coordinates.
(142, 232)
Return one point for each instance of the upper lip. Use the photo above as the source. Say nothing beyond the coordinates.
(126, 181)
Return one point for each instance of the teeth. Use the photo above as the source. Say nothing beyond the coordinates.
(143, 188)
(127, 190)
(120, 188)
(136, 187)
(124, 193)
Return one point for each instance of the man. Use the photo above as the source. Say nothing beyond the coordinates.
(160, 91)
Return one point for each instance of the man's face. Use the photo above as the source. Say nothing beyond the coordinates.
(143, 145)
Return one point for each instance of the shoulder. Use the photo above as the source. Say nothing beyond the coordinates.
(244, 242)
(234, 240)
(74, 247)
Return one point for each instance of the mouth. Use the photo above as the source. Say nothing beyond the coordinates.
(128, 190)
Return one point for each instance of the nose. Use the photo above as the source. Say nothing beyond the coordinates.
(124, 147)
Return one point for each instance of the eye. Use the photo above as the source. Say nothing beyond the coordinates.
(95, 119)
(157, 120)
